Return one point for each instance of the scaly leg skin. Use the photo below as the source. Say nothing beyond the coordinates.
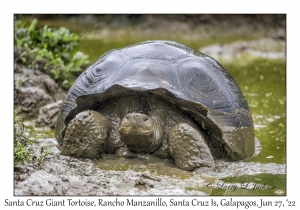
(86, 135)
(189, 150)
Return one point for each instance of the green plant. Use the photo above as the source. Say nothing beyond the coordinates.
(19, 83)
(44, 154)
(23, 146)
(54, 51)
(21, 142)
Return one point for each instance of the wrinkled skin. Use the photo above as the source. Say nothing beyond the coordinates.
(136, 124)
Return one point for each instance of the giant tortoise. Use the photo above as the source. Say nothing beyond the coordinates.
(161, 98)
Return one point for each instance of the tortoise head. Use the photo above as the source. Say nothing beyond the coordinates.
(140, 132)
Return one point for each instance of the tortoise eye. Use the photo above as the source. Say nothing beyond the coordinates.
(146, 119)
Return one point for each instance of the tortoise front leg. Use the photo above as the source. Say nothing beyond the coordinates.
(86, 135)
(188, 148)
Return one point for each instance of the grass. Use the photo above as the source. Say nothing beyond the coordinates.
(24, 146)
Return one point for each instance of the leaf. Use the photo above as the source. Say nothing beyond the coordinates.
(32, 25)
(55, 49)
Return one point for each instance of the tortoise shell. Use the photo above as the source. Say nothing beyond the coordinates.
(191, 80)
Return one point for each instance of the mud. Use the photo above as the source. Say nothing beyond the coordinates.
(188, 148)
(86, 135)
(64, 175)
(34, 89)
(48, 115)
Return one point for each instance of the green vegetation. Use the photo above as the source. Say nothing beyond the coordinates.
(54, 51)
(20, 140)
(23, 146)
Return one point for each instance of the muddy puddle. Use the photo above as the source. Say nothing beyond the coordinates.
(146, 175)
(156, 166)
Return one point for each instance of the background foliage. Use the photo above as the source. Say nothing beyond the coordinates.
(54, 51)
